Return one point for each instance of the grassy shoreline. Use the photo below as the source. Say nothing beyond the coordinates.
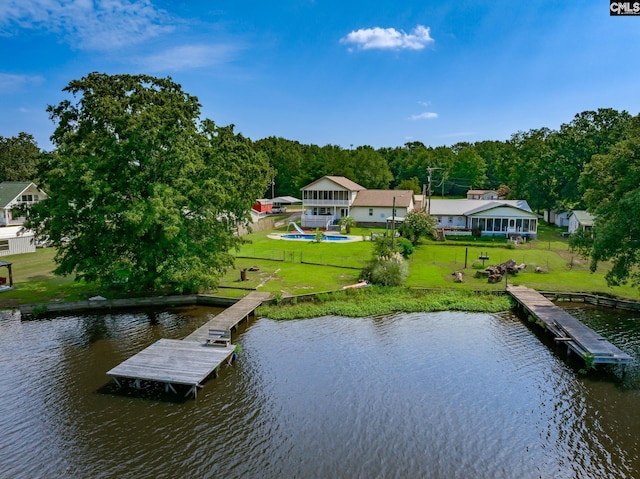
(288, 269)
(374, 301)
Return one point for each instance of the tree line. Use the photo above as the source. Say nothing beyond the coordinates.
(542, 166)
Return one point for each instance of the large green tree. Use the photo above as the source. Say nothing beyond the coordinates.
(149, 196)
(589, 133)
(612, 193)
(19, 158)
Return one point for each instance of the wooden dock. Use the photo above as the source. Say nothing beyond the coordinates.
(229, 318)
(192, 360)
(579, 338)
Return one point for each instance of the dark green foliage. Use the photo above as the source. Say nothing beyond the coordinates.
(404, 247)
(612, 193)
(19, 158)
(417, 224)
(149, 197)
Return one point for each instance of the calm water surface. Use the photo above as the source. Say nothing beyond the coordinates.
(446, 395)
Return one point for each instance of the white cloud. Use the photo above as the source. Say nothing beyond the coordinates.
(88, 24)
(389, 38)
(10, 82)
(427, 115)
(187, 57)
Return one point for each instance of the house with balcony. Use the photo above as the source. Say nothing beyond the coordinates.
(327, 199)
(15, 194)
(14, 238)
(330, 198)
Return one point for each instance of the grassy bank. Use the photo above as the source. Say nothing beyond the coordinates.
(290, 268)
(373, 301)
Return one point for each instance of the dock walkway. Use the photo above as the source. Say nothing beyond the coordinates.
(189, 361)
(579, 338)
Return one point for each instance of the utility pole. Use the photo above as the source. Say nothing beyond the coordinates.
(429, 170)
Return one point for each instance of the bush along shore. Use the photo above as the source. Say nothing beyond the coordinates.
(375, 300)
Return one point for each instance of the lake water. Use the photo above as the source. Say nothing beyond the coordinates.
(445, 395)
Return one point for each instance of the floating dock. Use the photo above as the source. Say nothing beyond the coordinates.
(578, 337)
(192, 360)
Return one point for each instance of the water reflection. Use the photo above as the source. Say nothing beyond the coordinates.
(420, 395)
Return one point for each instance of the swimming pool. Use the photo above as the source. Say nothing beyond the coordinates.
(311, 237)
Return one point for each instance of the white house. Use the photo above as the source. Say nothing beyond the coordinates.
(376, 207)
(14, 194)
(580, 220)
(14, 239)
(491, 217)
(327, 199)
(330, 198)
(482, 195)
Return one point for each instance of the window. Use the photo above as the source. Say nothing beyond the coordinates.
(370, 211)
(27, 198)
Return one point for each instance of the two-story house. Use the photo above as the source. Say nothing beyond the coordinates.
(14, 194)
(330, 198)
(14, 238)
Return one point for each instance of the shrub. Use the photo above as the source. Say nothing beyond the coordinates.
(389, 270)
(382, 246)
(404, 247)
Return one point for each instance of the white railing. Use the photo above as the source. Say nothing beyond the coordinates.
(308, 202)
(316, 221)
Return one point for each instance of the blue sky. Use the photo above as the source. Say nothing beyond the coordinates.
(379, 73)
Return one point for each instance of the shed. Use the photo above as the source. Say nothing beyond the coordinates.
(263, 205)
(16, 240)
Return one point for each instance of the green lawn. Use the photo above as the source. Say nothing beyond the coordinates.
(294, 268)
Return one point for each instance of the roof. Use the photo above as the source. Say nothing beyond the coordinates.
(481, 192)
(372, 198)
(7, 232)
(286, 199)
(9, 190)
(339, 180)
(584, 218)
(465, 207)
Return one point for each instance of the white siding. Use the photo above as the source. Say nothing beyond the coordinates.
(380, 214)
(17, 245)
(574, 224)
(455, 222)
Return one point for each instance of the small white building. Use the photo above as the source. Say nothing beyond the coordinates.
(580, 220)
(482, 195)
(16, 240)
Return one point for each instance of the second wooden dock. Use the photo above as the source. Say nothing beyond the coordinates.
(579, 338)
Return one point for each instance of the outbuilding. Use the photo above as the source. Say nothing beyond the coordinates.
(16, 240)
